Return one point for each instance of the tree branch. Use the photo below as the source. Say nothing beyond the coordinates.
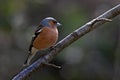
(75, 35)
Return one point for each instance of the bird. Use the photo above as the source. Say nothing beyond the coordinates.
(45, 36)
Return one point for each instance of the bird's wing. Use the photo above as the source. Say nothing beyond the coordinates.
(38, 31)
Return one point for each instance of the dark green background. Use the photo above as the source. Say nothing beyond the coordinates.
(93, 57)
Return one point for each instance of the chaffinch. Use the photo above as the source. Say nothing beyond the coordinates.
(44, 37)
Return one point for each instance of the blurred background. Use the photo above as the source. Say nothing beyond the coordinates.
(95, 56)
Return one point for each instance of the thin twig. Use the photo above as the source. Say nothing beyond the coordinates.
(52, 65)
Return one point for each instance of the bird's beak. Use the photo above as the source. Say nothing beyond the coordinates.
(58, 24)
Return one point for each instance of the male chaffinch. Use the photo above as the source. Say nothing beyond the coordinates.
(44, 37)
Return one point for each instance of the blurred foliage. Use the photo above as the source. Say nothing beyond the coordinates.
(93, 57)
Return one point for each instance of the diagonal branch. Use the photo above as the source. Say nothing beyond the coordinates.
(75, 35)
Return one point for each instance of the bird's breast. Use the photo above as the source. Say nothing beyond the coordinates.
(46, 38)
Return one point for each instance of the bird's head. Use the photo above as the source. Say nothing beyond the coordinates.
(49, 21)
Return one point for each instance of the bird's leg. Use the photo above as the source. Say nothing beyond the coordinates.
(51, 48)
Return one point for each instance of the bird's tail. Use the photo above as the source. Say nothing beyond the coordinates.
(27, 61)
(30, 56)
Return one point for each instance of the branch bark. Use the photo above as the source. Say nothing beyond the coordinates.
(75, 35)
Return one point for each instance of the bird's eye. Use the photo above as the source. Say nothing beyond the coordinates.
(55, 22)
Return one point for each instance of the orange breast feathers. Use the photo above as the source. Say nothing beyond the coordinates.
(46, 38)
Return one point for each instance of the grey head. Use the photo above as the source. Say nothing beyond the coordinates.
(46, 22)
